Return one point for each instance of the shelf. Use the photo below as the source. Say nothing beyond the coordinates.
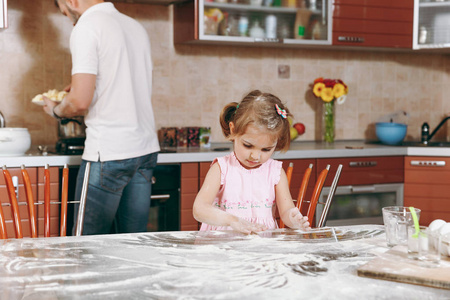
(257, 8)
(434, 4)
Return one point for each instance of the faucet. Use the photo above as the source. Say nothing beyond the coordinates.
(2, 120)
(426, 137)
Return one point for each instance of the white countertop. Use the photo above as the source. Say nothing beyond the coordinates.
(298, 150)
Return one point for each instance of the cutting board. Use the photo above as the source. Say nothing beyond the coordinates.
(394, 265)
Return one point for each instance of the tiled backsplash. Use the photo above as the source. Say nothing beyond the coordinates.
(193, 82)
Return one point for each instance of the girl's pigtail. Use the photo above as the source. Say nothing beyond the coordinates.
(226, 116)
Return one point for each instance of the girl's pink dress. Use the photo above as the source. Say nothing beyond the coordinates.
(248, 194)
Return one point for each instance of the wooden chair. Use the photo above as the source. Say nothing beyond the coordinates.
(31, 203)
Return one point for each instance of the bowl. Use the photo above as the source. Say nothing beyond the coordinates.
(14, 141)
(390, 133)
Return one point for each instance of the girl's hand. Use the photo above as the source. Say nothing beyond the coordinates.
(298, 221)
(247, 227)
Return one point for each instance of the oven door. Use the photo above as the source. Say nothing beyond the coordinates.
(359, 204)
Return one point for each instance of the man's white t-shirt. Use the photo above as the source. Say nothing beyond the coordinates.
(116, 48)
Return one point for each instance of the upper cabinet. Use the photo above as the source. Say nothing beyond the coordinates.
(373, 23)
(431, 24)
(3, 14)
(269, 22)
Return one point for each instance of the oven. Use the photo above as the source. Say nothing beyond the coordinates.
(165, 200)
(366, 185)
(359, 204)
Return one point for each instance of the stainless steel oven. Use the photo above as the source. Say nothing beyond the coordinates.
(359, 204)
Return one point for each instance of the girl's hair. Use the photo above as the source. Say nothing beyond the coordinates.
(260, 110)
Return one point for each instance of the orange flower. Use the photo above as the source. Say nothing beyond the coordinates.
(327, 94)
(338, 90)
(317, 89)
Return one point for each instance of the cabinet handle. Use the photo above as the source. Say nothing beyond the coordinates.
(267, 40)
(359, 164)
(162, 198)
(363, 189)
(351, 39)
(428, 163)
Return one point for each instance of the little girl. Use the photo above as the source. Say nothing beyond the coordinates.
(241, 189)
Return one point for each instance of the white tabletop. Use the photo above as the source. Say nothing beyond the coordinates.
(280, 264)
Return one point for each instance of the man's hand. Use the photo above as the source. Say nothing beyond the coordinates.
(298, 221)
(247, 227)
(49, 105)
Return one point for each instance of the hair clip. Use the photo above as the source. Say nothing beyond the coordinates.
(281, 112)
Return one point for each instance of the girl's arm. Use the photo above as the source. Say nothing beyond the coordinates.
(204, 211)
(288, 212)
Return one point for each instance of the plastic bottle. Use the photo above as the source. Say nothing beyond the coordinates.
(243, 25)
(271, 27)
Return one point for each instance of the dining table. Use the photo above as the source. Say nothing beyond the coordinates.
(275, 264)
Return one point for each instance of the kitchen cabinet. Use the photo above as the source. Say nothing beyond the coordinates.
(431, 24)
(427, 187)
(3, 13)
(373, 23)
(37, 185)
(188, 191)
(283, 23)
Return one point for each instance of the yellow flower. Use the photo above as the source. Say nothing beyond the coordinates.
(338, 90)
(327, 94)
(318, 87)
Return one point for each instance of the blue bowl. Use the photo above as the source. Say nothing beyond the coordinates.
(390, 133)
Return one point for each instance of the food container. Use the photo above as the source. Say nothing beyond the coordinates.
(390, 133)
(14, 141)
(71, 128)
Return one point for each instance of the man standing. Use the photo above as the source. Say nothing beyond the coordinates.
(111, 85)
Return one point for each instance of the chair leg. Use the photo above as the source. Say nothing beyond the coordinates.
(64, 196)
(3, 234)
(14, 204)
(30, 202)
(289, 172)
(46, 201)
(316, 193)
(84, 190)
(302, 192)
(324, 215)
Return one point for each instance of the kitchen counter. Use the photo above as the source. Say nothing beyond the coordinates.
(279, 264)
(298, 150)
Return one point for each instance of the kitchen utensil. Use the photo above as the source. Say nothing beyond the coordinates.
(14, 141)
(395, 265)
(71, 128)
(415, 220)
(390, 133)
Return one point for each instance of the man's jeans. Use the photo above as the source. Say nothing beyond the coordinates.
(118, 194)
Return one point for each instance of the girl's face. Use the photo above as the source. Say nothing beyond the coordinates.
(254, 147)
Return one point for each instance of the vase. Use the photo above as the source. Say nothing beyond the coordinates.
(328, 122)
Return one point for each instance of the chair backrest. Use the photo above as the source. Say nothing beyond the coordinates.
(31, 204)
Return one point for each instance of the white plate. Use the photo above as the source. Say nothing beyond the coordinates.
(41, 102)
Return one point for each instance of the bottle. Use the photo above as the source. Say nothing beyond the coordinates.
(243, 26)
(271, 27)
(256, 31)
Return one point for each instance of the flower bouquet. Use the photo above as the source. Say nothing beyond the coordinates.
(329, 91)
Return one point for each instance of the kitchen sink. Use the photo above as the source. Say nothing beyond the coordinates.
(420, 144)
